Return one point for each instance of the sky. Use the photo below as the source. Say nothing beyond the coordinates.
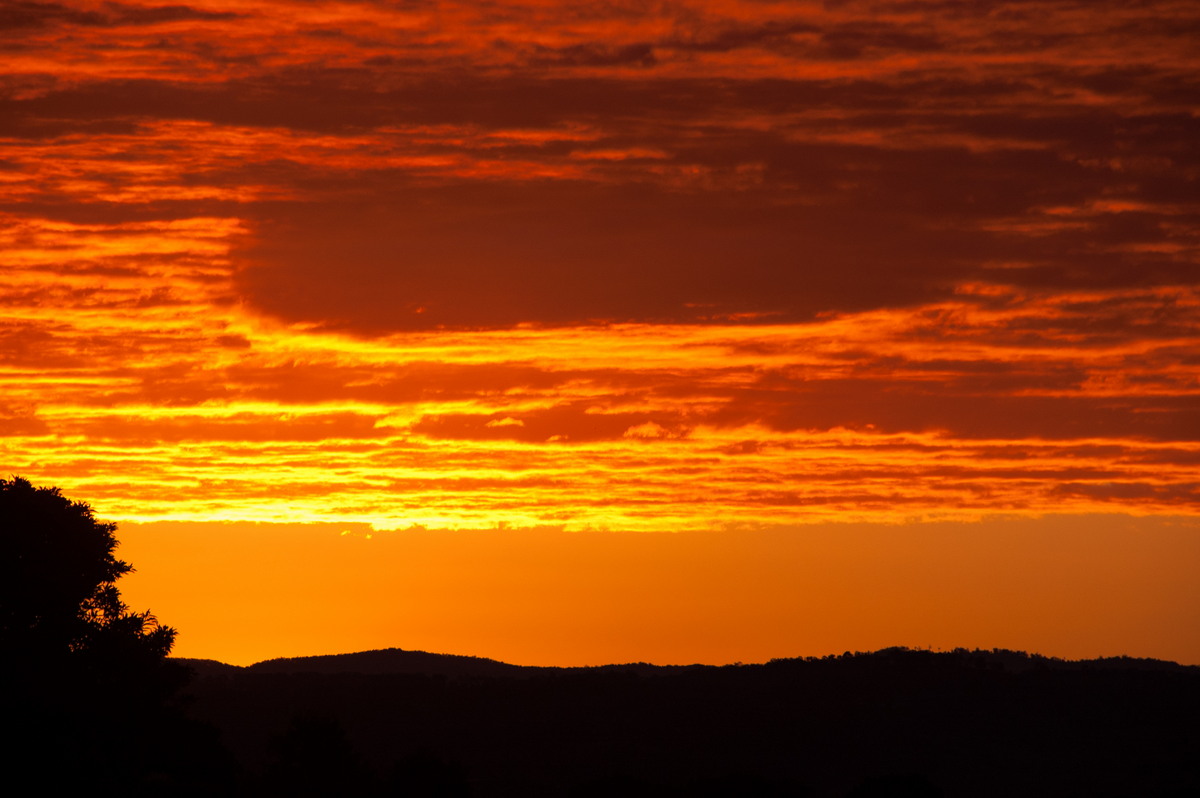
(571, 333)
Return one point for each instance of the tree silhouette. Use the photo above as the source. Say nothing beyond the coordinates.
(59, 603)
(86, 681)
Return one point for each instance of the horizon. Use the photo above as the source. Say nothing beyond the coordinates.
(906, 649)
(560, 333)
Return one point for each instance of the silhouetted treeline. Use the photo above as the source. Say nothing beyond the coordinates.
(86, 690)
(892, 723)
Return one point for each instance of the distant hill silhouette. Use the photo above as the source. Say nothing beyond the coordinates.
(896, 722)
(399, 661)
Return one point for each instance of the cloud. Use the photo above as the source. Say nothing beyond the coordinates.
(388, 187)
(557, 256)
(1132, 491)
(689, 259)
(246, 428)
(568, 423)
(592, 55)
(21, 421)
(24, 15)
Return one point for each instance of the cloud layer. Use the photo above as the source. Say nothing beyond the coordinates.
(457, 264)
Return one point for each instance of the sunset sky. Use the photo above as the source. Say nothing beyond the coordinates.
(572, 333)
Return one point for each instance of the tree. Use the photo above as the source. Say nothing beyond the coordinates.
(85, 684)
(59, 604)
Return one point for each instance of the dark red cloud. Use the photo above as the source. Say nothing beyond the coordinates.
(1046, 146)
(252, 429)
(22, 15)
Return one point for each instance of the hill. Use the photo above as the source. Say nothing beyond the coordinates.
(400, 661)
(892, 722)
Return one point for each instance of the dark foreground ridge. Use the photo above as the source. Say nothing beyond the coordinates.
(897, 722)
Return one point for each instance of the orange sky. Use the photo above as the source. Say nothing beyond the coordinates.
(529, 286)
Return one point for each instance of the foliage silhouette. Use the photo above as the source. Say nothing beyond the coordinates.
(86, 681)
(58, 597)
